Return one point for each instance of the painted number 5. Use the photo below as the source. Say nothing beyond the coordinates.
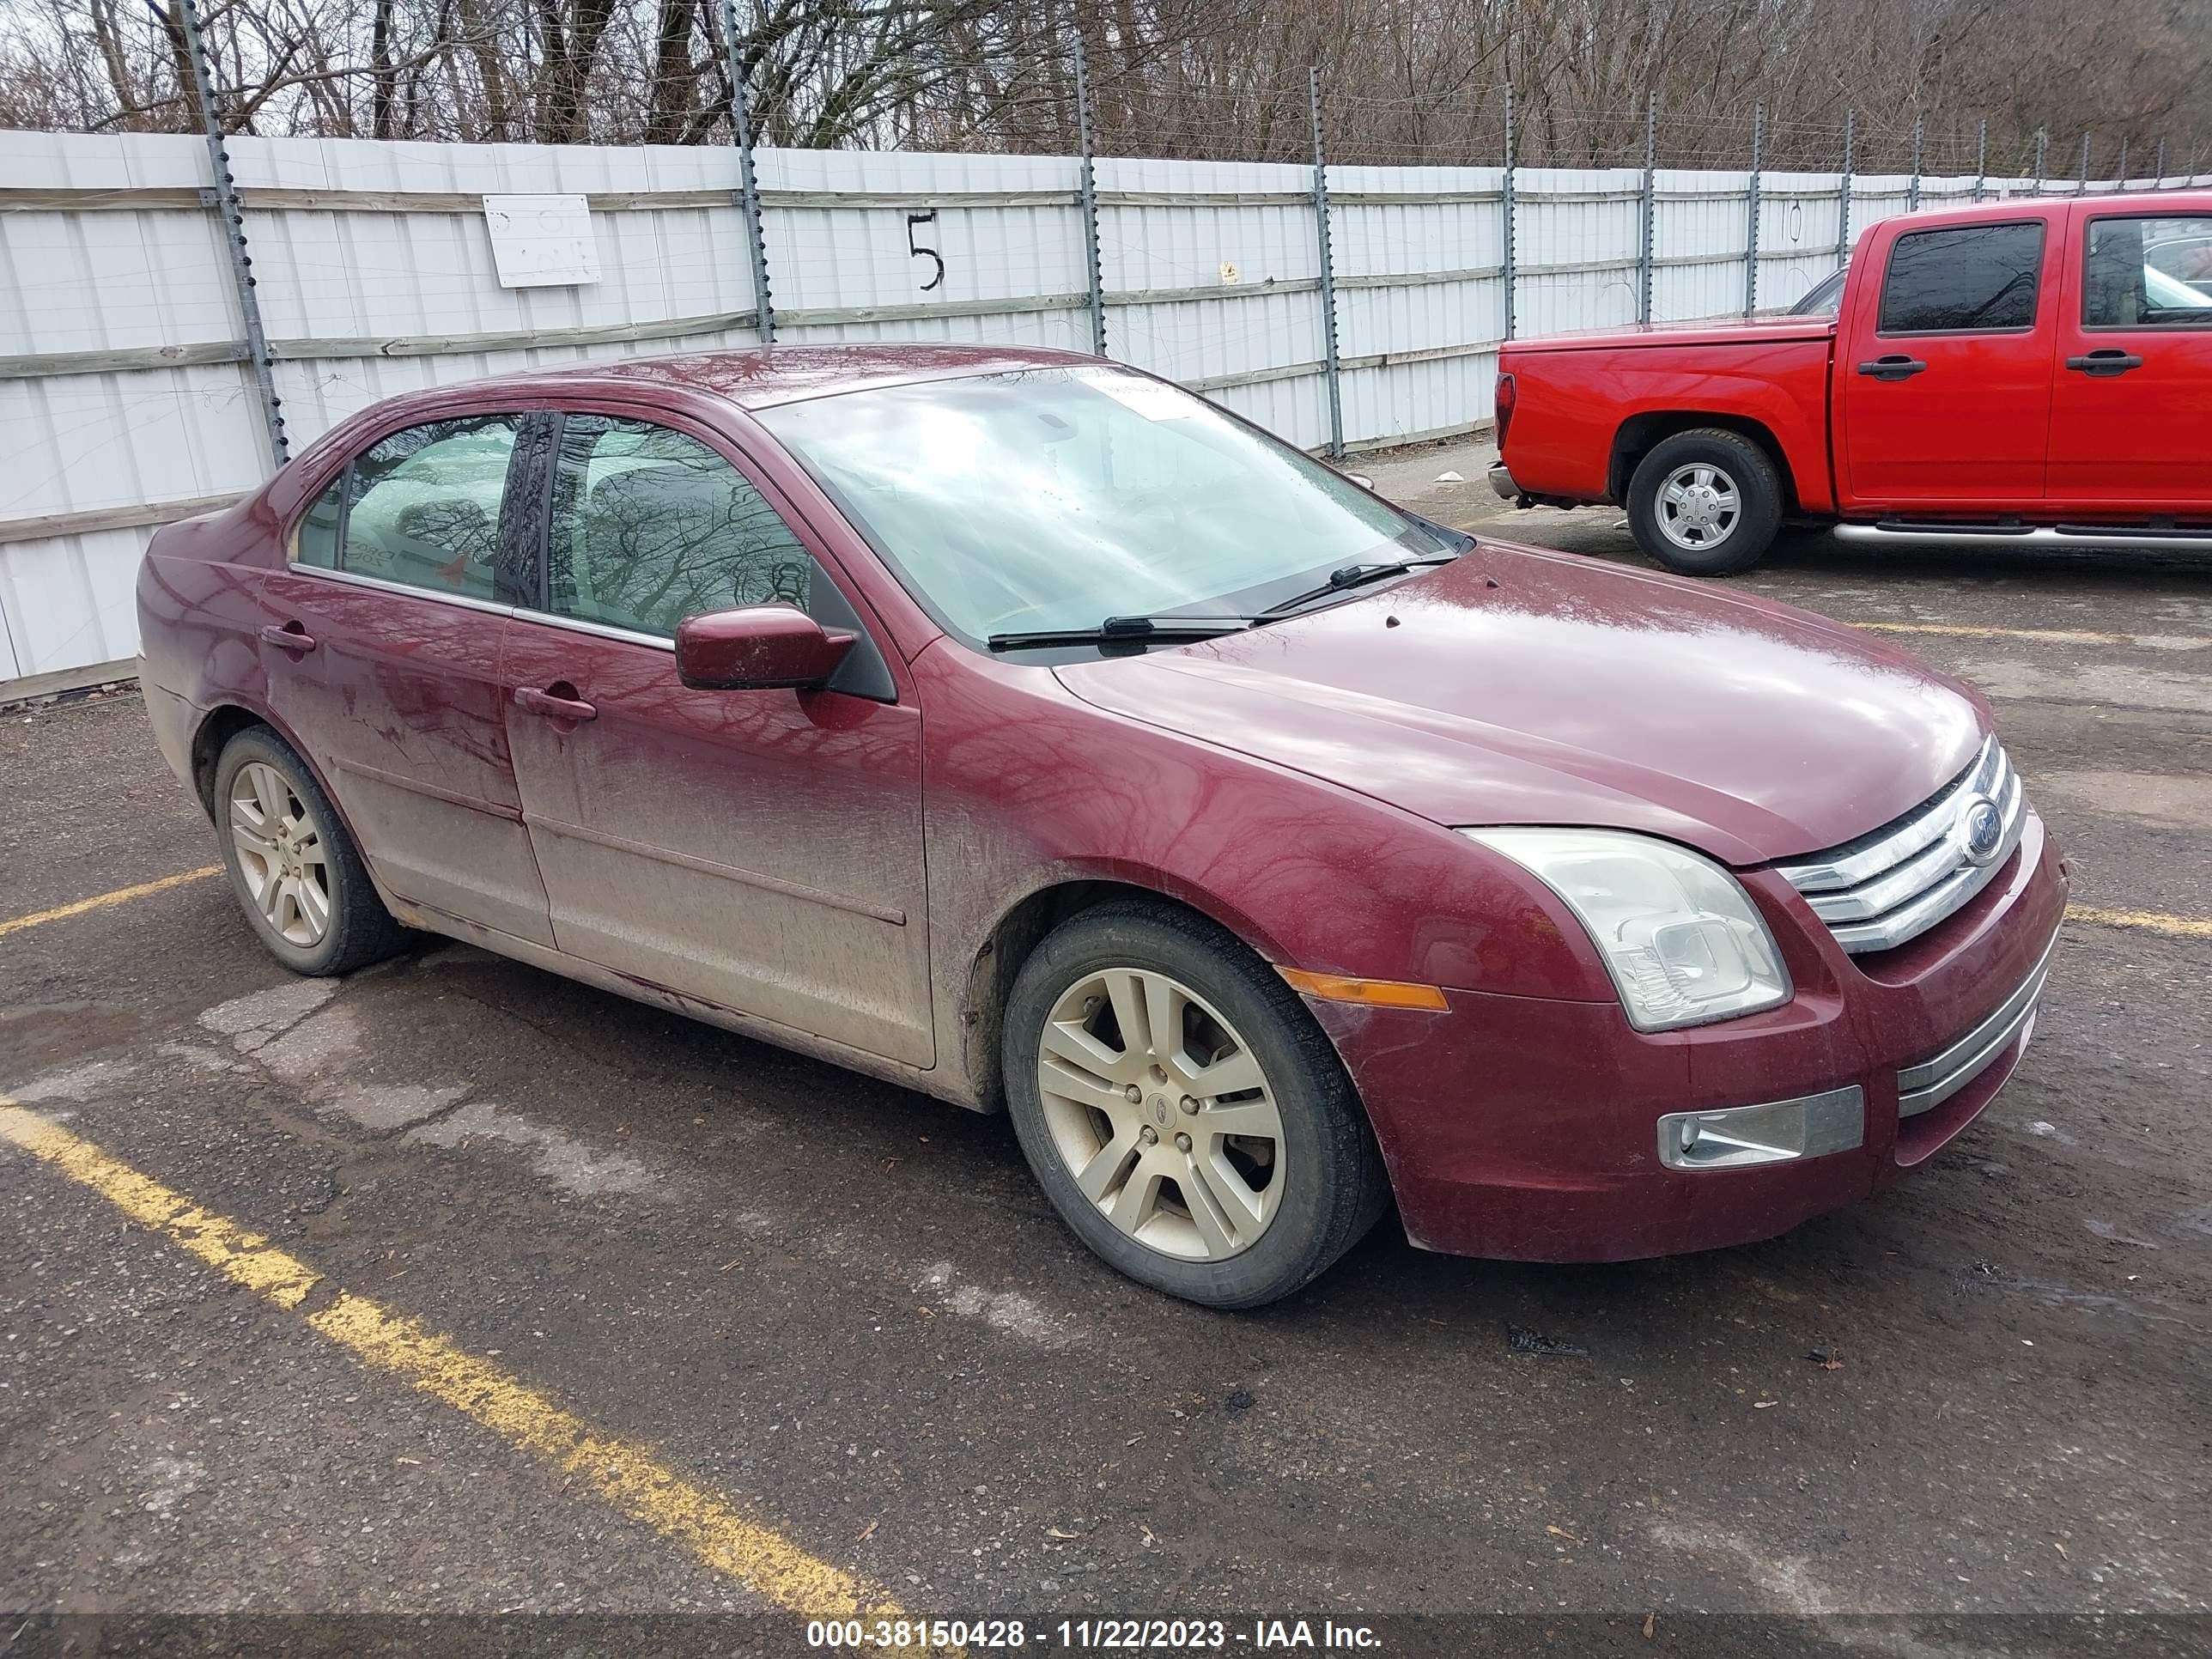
(919, 252)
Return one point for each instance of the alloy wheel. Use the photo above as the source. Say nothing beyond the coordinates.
(1698, 506)
(1162, 1113)
(280, 854)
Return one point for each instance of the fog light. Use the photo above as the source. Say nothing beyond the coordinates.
(1740, 1137)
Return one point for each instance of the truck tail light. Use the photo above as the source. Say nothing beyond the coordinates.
(1502, 405)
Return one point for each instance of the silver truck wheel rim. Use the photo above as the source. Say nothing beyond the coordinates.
(280, 854)
(1699, 507)
(1162, 1113)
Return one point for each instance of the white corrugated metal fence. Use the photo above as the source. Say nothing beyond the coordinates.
(126, 400)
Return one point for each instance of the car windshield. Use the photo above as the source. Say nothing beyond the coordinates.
(1824, 299)
(2170, 293)
(1054, 498)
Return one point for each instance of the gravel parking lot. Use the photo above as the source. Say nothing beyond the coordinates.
(842, 1313)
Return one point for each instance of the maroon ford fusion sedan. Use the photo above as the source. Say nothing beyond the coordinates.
(1024, 729)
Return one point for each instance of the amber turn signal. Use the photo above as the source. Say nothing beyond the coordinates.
(1375, 992)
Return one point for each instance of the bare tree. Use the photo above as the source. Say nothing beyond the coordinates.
(1407, 81)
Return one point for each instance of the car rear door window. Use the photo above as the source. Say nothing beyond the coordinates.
(1964, 279)
(422, 507)
(2147, 272)
(650, 526)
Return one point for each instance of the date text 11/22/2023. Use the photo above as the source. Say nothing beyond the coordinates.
(1090, 1635)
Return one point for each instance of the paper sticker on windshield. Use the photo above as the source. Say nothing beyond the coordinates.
(1153, 400)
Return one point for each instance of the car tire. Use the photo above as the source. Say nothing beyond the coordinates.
(1236, 1219)
(1728, 510)
(304, 888)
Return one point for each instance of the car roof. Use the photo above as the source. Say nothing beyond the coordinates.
(758, 377)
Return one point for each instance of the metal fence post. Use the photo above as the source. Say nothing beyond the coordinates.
(2082, 188)
(1912, 190)
(2042, 150)
(2158, 169)
(1327, 271)
(1843, 193)
(2124, 163)
(1505, 202)
(224, 199)
(1089, 187)
(1650, 207)
(741, 129)
(1981, 163)
(1750, 212)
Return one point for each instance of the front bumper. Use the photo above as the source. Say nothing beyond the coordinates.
(1501, 482)
(1535, 1129)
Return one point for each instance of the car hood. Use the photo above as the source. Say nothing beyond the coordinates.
(1519, 686)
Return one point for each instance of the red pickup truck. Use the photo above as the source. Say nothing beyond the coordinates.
(2025, 372)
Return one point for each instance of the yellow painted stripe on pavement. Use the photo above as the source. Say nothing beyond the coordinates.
(625, 1474)
(2154, 921)
(2047, 635)
(120, 895)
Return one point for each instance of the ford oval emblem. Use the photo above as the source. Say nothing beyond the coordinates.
(1981, 831)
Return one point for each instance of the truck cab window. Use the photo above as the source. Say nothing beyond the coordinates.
(1964, 280)
(2147, 273)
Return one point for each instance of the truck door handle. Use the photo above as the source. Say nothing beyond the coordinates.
(1895, 366)
(2109, 361)
(558, 701)
(290, 637)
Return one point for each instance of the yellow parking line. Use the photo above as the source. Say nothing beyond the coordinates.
(2153, 922)
(2047, 635)
(625, 1474)
(120, 895)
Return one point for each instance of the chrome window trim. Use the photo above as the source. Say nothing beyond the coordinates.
(465, 601)
(600, 631)
(1926, 1084)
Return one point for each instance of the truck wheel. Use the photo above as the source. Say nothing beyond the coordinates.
(1705, 503)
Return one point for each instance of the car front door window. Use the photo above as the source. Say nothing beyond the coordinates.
(650, 526)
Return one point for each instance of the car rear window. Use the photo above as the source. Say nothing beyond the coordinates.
(1963, 279)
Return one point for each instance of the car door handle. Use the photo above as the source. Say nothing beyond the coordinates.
(290, 637)
(554, 705)
(2109, 361)
(1895, 367)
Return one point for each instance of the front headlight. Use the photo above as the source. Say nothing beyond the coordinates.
(1681, 939)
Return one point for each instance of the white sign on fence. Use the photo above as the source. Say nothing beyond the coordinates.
(542, 241)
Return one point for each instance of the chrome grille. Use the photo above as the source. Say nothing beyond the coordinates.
(1897, 882)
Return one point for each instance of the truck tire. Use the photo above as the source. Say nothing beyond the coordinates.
(1705, 503)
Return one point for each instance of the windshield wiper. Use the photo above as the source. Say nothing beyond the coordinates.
(1133, 630)
(1357, 575)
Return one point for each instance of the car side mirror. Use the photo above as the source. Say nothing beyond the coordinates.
(760, 648)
